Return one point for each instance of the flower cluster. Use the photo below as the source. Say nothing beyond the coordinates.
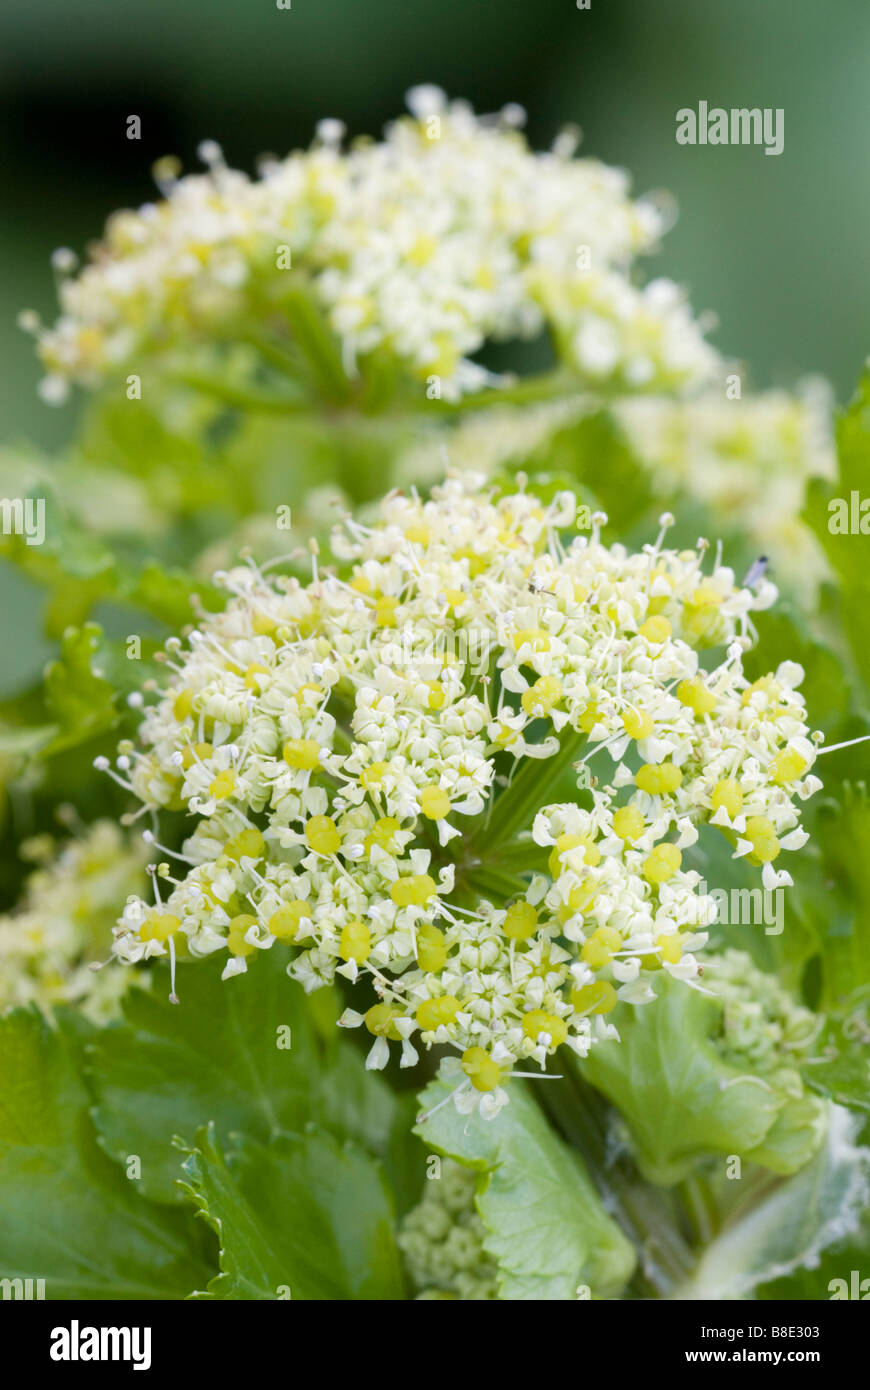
(764, 1028)
(418, 250)
(499, 850)
(47, 945)
(769, 1036)
(746, 461)
(442, 1238)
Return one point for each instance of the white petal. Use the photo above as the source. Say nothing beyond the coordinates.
(796, 839)
(379, 1055)
(237, 965)
(773, 879)
(410, 1056)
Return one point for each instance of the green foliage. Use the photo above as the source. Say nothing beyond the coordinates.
(67, 1213)
(783, 635)
(682, 1101)
(92, 1195)
(783, 1229)
(302, 1217)
(243, 1104)
(844, 836)
(79, 700)
(841, 1072)
(595, 452)
(78, 704)
(546, 1226)
(247, 1055)
(846, 549)
(836, 1263)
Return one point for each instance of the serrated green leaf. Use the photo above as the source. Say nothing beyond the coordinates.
(168, 1070)
(546, 1226)
(72, 706)
(67, 1214)
(300, 1217)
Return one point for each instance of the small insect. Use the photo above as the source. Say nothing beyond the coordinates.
(755, 572)
(534, 587)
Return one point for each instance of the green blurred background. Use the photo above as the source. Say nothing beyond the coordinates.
(777, 247)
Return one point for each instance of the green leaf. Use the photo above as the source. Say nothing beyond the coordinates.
(596, 452)
(163, 446)
(167, 593)
(781, 932)
(67, 1214)
(844, 1262)
(844, 834)
(788, 1226)
(829, 504)
(168, 1070)
(783, 636)
(842, 1070)
(680, 1100)
(77, 697)
(76, 704)
(546, 1226)
(301, 1217)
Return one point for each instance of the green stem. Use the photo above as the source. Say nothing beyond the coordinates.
(514, 809)
(241, 397)
(288, 363)
(314, 339)
(490, 881)
(700, 1208)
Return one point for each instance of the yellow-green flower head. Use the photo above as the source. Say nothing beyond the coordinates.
(59, 928)
(442, 1240)
(468, 767)
(417, 250)
(764, 1028)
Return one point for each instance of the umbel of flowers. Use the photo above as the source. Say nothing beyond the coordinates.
(67, 908)
(496, 851)
(416, 250)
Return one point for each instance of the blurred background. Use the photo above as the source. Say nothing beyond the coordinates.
(776, 246)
